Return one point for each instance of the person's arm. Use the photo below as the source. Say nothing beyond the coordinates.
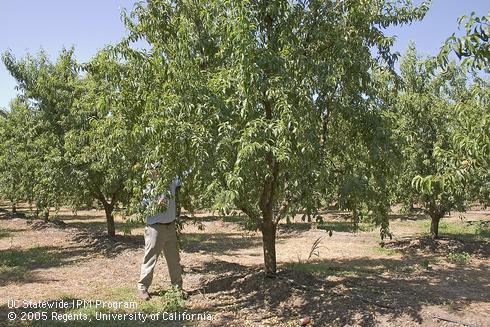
(162, 200)
(148, 199)
(144, 203)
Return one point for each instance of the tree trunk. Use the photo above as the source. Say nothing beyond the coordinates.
(111, 228)
(412, 207)
(355, 219)
(434, 226)
(14, 208)
(268, 229)
(308, 215)
(46, 215)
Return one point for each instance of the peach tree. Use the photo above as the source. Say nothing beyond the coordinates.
(48, 89)
(16, 173)
(102, 144)
(243, 92)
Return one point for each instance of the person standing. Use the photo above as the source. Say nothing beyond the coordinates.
(160, 235)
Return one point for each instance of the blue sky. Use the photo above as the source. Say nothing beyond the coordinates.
(28, 25)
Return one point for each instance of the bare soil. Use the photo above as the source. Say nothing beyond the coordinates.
(349, 279)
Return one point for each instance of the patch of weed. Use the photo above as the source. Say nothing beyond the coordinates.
(4, 233)
(385, 251)
(459, 257)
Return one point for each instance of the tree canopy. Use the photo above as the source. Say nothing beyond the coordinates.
(246, 93)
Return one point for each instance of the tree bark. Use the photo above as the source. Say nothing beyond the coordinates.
(46, 215)
(14, 208)
(435, 212)
(268, 229)
(355, 219)
(434, 226)
(109, 209)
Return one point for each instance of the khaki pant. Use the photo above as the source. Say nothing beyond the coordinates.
(160, 237)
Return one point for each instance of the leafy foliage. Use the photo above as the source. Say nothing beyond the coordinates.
(48, 90)
(16, 128)
(473, 47)
(437, 118)
(245, 91)
(81, 146)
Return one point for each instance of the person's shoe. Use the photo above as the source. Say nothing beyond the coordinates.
(143, 295)
(185, 295)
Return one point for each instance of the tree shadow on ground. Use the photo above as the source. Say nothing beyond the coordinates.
(5, 232)
(363, 288)
(293, 228)
(18, 265)
(91, 235)
(212, 243)
(341, 224)
(407, 216)
(443, 245)
(83, 218)
(212, 218)
(8, 232)
(109, 246)
(95, 212)
(241, 221)
(95, 226)
(337, 226)
(217, 242)
(5, 214)
(21, 265)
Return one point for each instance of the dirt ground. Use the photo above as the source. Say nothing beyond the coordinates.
(348, 280)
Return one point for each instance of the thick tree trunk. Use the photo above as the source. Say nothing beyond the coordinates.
(434, 226)
(14, 208)
(266, 203)
(268, 229)
(111, 228)
(46, 215)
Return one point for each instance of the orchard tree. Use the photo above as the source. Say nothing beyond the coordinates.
(360, 172)
(15, 153)
(49, 90)
(471, 137)
(245, 91)
(470, 142)
(454, 156)
(102, 145)
(86, 140)
(427, 110)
